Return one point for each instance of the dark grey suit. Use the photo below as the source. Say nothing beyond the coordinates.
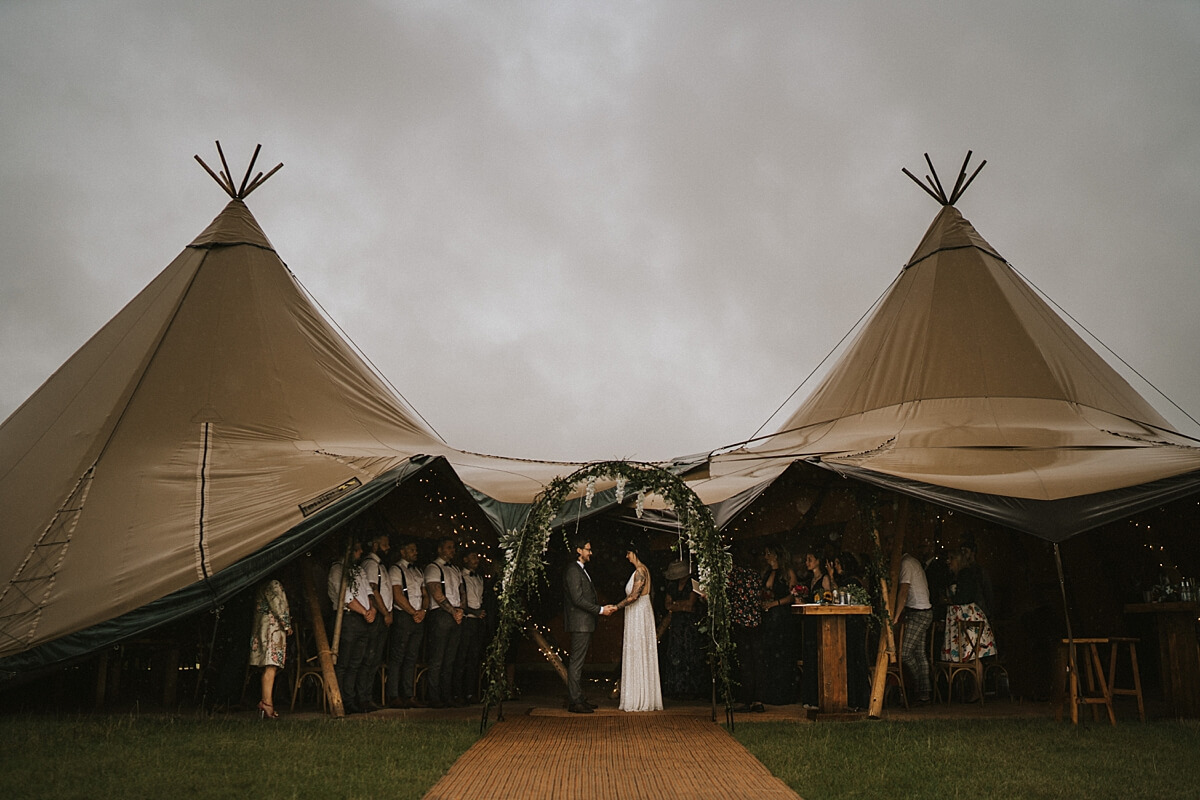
(580, 610)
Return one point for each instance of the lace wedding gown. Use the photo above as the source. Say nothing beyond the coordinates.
(640, 690)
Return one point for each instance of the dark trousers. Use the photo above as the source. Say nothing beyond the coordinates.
(404, 647)
(745, 642)
(444, 635)
(352, 649)
(580, 642)
(377, 632)
(470, 655)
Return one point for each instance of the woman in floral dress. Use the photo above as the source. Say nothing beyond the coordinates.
(268, 643)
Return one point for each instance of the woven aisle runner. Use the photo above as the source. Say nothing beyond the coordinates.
(608, 756)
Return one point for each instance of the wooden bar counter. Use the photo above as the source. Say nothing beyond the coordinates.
(1179, 659)
(832, 700)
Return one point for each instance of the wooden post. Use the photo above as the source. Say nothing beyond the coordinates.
(339, 608)
(887, 640)
(332, 691)
(547, 651)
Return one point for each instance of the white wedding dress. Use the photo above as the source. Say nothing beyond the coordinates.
(640, 688)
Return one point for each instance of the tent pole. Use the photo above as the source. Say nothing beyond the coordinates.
(340, 609)
(1072, 670)
(332, 691)
(887, 640)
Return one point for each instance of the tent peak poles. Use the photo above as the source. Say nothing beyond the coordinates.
(932, 185)
(225, 178)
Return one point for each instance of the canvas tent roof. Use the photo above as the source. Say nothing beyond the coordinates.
(217, 424)
(964, 387)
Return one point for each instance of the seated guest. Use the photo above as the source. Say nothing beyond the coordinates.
(965, 596)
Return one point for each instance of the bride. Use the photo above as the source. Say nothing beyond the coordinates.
(640, 690)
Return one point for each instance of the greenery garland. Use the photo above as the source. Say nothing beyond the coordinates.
(524, 567)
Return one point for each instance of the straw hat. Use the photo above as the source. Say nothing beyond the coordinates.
(677, 570)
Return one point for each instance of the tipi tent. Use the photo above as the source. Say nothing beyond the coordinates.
(217, 425)
(965, 388)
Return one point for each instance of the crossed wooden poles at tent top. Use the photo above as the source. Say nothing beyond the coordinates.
(933, 185)
(226, 182)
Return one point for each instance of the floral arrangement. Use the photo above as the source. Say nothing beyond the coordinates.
(524, 567)
(800, 591)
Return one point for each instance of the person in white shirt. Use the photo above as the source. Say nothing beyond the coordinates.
(408, 626)
(358, 613)
(381, 600)
(470, 648)
(444, 583)
(912, 602)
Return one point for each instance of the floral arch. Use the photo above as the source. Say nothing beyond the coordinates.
(524, 566)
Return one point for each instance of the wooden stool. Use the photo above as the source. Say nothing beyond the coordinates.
(1087, 659)
(1136, 689)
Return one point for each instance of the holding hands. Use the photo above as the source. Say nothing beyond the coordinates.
(608, 610)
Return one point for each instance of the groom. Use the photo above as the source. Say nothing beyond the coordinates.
(580, 609)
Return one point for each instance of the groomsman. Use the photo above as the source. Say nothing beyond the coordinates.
(444, 583)
(408, 626)
(470, 648)
(381, 600)
(357, 615)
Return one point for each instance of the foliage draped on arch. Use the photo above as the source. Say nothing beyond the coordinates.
(524, 568)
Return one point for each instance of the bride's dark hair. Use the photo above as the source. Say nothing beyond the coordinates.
(635, 547)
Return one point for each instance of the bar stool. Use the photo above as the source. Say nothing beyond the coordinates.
(1087, 660)
(1136, 689)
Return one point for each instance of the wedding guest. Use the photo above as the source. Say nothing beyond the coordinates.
(409, 601)
(912, 603)
(778, 646)
(745, 617)
(848, 573)
(444, 584)
(358, 612)
(684, 673)
(820, 580)
(268, 644)
(381, 600)
(470, 647)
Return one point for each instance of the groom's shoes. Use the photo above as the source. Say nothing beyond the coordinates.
(580, 708)
(590, 704)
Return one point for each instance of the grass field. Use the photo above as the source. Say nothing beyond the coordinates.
(947, 759)
(191, 758)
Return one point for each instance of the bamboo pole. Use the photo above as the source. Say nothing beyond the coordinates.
(887, 640)
(333, 692)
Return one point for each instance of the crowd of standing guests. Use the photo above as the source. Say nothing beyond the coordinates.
(393, 611)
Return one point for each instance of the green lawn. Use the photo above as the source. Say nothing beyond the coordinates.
(946, 759)
(190, 758)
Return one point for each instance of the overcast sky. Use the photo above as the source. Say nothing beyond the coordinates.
(592, 230)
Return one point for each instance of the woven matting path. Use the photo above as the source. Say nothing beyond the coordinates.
(608, 756)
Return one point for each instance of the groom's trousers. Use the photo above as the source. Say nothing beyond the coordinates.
(580, 641)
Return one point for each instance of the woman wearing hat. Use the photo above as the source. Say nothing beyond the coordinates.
(684, 676)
